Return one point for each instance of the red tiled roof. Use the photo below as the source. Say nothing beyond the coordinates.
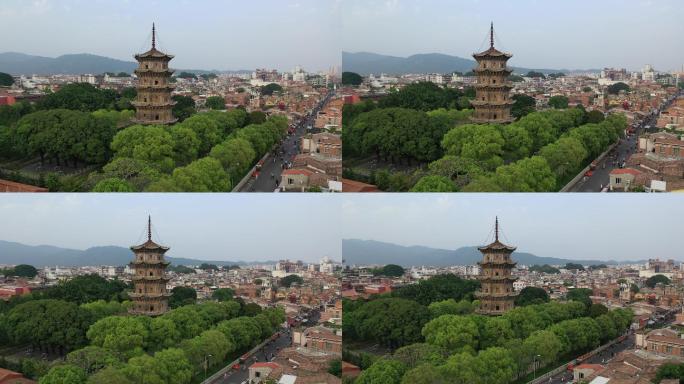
(595, 367)
(265, 365)
(625, 171)
(357, 186)
(297, 172)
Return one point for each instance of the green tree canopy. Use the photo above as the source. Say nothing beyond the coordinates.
(270, 89)
(64, 374)
(656, 279)
(351, 78)
(288, 280)
(6, 79)
(390, 270)
(181, 296)
(215, 102)
(614, 89)
(531, 295)
(558, 102)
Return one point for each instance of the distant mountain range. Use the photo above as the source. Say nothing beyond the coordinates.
(365, 63)
(22, 64)
(370, 252)
(47, 255)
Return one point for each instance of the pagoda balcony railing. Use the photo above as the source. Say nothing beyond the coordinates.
(492, 102)
(153, 104)
(157, 87)
(505, 264)
(149, 278)
(496, 278)
(498, 295)
(497, 121)
(136, 295)
(154, 122)
(166, 71)
(150, 262)
(492, 70)
(493, 86)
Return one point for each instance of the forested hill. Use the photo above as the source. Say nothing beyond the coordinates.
(368, 252)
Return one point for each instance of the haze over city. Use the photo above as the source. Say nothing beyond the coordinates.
(252, 227)
(578, 34)
(573, 226)
(205, 34)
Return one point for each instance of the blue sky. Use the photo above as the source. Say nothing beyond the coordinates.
(575, 34)
(249, 227)
(573, 226)
(203, 34)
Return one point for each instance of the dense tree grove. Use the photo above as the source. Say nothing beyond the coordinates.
(467, 348)
(81, 126)
(207, 152)
(104, 345)
(424, 123)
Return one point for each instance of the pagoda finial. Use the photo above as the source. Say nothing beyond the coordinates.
(149, 228)
(496, 228)
(154, 36)
(491, 36)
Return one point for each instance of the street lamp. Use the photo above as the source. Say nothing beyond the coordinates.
(534, 366)
(206, 365)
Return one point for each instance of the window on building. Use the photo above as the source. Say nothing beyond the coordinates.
(497, 307)
(493, 81)
(618, 180)
(668, 349)
(675, 151)
(495, 116)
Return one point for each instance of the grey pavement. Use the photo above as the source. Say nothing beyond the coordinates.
(627, 147)
(269, 177)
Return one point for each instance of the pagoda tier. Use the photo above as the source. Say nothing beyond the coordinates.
(154, 104)
(149, 295)
(492, 103)
(496, 293)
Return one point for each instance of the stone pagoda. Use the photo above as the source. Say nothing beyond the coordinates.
(154, 104)
(149, 295)
(492, 102)
(496, 293)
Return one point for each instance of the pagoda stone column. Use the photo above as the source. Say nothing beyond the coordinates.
(492, 102)
(149, 295)
(496, 292)
(153, 103)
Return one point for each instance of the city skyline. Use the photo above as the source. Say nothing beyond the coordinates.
(538, 34)
(583, 227)
(196, 226)
(206, 34)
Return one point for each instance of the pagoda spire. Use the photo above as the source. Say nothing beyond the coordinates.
(491, 36)
(149, 228)
(496, 228)
(154, 37)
